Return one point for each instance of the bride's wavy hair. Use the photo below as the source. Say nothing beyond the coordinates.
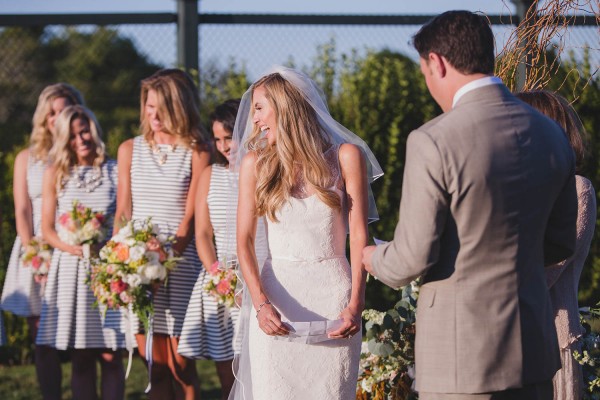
(299, 149)
(41, 138)
(178, 107)
(63, 157)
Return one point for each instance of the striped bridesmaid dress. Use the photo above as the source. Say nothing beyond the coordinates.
(21, 294)
(159, 191)
(208, 329)
(69, 319)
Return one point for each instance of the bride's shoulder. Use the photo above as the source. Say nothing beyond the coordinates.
(350, 154)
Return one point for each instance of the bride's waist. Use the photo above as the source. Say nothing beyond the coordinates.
(311, 259)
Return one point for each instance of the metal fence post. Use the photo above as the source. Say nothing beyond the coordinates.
(524, 64)
(187, 34)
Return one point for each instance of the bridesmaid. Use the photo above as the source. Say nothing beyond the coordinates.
(80, 171)
(21, 294)
(563, 278)
(159, 172)
(208, 328)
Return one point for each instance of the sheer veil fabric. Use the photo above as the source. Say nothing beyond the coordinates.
(337, 135)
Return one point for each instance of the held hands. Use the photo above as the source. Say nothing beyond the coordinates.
(351, 325)
(269, 320)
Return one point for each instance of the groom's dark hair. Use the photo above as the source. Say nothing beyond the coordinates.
(463, 38)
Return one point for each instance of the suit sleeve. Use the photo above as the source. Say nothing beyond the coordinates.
(423, 210)
(561, 231)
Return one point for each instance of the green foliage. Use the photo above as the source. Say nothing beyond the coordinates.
(387, 364)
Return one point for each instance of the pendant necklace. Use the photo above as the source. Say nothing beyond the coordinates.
(88, 182)
(161, 154)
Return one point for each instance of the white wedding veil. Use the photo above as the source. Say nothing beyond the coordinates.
(336, 134)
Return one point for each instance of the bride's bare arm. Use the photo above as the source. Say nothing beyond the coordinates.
(354, 173)
(268, 317)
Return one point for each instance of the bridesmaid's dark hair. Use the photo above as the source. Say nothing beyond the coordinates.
(225, 113)
(556, 107)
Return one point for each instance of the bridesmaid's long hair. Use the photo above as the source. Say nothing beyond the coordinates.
(63, 157)
(556, 107)
(299, 148)
(41, 138)
(178, 107)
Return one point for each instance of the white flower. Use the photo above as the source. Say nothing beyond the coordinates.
(133, 280)
(152, 272)
(136, 253)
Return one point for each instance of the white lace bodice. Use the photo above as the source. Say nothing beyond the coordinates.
(319, 231)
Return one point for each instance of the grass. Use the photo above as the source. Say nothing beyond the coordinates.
(20, 383)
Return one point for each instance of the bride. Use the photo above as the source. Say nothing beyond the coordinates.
(309, 178)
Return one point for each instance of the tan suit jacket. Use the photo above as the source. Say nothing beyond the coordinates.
(488, 200)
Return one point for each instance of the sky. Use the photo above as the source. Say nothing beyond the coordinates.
(258, 6)
(256, 48)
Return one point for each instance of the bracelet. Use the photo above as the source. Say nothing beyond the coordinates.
(261, 306)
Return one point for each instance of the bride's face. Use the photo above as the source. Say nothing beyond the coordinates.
(264, 115)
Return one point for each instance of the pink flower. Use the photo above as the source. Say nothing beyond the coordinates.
(214, 268)
(223, 287)
(153, 244)
(110, 269)
(118, 286)
(36, 262)
(64, 219)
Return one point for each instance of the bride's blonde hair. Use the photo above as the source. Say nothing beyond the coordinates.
(178, 107)
(299, 149)
(41, 138)
(62, 156)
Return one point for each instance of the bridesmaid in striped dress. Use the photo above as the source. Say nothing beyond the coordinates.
(158, 178)
(208, 329)
(80, 171)
(21, 294)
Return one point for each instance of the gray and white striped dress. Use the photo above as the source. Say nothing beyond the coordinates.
(160, 191)
(69, 319)
(21, 294)
(208, 329)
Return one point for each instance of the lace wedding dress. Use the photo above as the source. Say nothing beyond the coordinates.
(307, 278)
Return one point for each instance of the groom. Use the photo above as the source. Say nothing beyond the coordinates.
(488, 199)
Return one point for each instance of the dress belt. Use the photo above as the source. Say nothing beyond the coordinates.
(318, 259)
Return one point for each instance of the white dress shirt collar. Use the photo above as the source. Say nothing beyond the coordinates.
(476, 84)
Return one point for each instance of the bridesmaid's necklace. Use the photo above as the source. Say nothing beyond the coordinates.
(160, 153)
(88, 182)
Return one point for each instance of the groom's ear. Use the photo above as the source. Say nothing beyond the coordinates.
(439, 64)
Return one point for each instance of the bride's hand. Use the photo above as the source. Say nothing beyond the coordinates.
(351, 324)
(269, 320)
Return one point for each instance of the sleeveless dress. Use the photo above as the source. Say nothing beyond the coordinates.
(69, 318)
(160, 191)
(307, 278)
(208, 329)
(21, 294)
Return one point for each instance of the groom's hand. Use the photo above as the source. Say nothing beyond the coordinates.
(367, 254)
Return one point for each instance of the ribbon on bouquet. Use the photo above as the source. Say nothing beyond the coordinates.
(149, 340)
(310, 331)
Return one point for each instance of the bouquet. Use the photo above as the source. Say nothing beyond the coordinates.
(131, 264)
(589, 356)
(81, 225)
(222, 282)
(37, 256)
(386, 369)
